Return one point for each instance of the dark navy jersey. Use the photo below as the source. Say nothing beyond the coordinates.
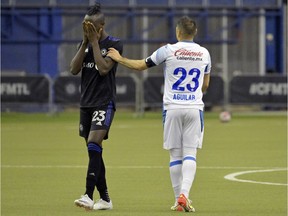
(98, 90)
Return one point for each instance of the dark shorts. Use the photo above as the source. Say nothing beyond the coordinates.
(96, 118)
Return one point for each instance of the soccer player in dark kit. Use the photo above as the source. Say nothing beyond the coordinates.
(97, 103)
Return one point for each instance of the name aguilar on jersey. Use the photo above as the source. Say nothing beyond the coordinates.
(184, 97)
(184, 54)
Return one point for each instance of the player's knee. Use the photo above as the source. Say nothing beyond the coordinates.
(189, 152)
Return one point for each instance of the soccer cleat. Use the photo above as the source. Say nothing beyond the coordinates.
(185, 203)
(177, 207)
(84, 202)
(103, 205)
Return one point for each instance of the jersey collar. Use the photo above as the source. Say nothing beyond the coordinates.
(187, 41)
(104, 39)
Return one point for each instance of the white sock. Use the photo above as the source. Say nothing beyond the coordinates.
(188, 172)
(188, 169)
(175, 169)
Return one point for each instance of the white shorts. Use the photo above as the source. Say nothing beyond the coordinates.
(183, 128)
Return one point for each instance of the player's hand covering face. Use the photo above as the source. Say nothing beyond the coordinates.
(85, 35)
(91, 33)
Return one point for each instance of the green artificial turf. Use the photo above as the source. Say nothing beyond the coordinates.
(43, 166)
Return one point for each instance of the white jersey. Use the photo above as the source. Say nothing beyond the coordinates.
(185, 64)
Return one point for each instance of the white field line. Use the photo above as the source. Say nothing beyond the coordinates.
(232, 176)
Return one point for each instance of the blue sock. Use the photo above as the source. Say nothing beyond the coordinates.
(101, 183)
(94, 167)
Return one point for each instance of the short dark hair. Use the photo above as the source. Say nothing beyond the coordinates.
(95, 10)
(187, 26)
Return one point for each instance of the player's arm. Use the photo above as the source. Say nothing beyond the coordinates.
(130, 63)
(206, 82)
(76, 63)
(104, 65)
(207, 70)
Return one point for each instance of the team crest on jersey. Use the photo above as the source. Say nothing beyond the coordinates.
(103, 52)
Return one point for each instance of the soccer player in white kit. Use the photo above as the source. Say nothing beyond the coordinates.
(187, 68)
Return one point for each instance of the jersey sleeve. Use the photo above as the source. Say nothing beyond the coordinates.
(208, 66)
(118, 45)
(157, 57)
